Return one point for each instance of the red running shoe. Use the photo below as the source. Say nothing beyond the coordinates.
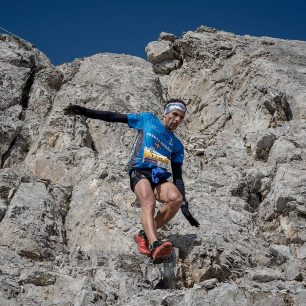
(160, 250)
(143, 244)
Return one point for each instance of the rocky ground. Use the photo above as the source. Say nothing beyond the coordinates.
(67, 215)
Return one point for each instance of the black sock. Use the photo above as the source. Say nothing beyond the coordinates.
(143, 234)
(155, 244)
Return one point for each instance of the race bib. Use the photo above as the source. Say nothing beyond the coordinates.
(153, 157)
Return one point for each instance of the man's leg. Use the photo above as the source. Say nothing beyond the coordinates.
(168, 194)
(146, 197)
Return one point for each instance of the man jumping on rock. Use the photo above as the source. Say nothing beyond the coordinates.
(155, 147)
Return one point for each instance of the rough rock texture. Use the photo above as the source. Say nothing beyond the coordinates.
(67, 215)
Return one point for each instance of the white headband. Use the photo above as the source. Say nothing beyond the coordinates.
(173, 106)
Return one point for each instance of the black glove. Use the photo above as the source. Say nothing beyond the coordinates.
(188, 216)
(72, 110)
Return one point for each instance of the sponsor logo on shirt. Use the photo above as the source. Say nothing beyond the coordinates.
(157, 145)
(161, 142)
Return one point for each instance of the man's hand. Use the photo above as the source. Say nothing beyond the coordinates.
(188, 216)
(72, 109)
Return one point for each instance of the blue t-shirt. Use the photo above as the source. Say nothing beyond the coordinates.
(155, 145)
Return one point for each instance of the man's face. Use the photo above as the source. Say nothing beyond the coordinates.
(173, 119)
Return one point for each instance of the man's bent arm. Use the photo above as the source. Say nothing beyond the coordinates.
(178, 181)
(177, 178)
(96, 114)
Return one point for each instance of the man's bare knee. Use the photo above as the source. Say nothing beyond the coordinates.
(175, 200)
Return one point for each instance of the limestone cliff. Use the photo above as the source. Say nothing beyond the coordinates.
(67, 214)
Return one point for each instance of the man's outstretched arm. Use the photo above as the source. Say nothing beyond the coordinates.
(96, 114)
(178, 181)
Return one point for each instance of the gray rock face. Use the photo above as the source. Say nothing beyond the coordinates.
(163, 55)
(67, 214)
(167, 36)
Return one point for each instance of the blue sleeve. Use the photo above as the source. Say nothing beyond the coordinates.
(137, 121)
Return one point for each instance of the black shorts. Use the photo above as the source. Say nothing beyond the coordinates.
(138, 174)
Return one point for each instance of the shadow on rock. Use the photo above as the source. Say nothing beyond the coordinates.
(185, 243)
(172, 277)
